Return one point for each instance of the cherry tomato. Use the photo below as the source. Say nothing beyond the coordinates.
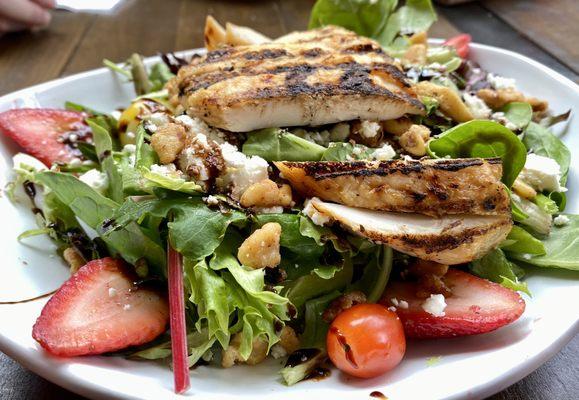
(366, 340)
(460, 43)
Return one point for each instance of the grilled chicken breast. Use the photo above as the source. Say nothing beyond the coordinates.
(431, 187)
(450, 240)
(311, 78)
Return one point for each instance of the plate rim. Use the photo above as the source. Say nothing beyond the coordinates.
(90, 390)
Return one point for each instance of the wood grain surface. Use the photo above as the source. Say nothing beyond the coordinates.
(545, 30)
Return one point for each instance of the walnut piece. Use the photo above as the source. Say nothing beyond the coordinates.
(429, 274)
(231, 355)
(266, 193)
(168, 142)
(449, 101)
(289, 340)
(416, 54)
(499, 98)
(342, 303)
(261, 248)
(414, 140)
(396, 126)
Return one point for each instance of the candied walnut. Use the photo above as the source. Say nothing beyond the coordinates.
(168, 142)
(289, 340)
(74, 259)
(266, 193)
(231, 355)
(416, 54)
(499, 98)
(396, 126)
(261, 248)
(449, 101)
(414, 140)
(342, 303)
(429, 274)
(367, 132)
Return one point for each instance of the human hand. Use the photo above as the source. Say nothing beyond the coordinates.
(16, 15)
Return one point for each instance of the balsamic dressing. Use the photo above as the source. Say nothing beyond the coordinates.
(378, 395)
(344, 343)
(301, 356)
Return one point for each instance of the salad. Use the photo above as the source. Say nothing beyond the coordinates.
(319, 197)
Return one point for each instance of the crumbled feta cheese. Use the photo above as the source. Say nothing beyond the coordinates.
(319, 137)
(277, 351)
(127, 307)
(148, 126)
(159, 119)
(316, 217)
(99, 181)
(131, 151)
(269, 210)
(476, 105)
(542, 173)
(393, 309)
(131, 135)
(403, 304)
(502, 118)
(116, 114)
(394, 301)
(435, 305)
(75, 162)
(500, 82)
(168, 170)
(197, 126)
(241, 171)
(561, 220)
(527, 256)
(357, 151)
(211, 200)
(386, 152)
(24, 161)
(112, 292)
(370, 129)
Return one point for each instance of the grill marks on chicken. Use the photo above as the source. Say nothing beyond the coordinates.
(431, 187)
(305, 78)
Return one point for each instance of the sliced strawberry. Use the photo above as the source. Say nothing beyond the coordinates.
(99, 310)
(475, 306)
(49, 135)
(460, 43)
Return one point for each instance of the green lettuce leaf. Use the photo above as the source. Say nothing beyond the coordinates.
(561, 247)
(274, 144)
(518, 113)
(376, 273)
(346, 152)
(543, 142)
(316, 328)
(497, 268)
(521, 241)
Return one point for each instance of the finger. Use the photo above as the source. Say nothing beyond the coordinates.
(25, 12)
(7, 25)
(50, 4)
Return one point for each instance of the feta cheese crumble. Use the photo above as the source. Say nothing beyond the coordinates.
(542, 173)
(112, 292)
(317, 217)
(500, 82)
(386, 152)
(435, 305)
(561, 220)
(197, 126)
(241, 171)
(277, 351)
(502, 119)
(25, 161)
(476, 105)
(168, 170)
(97, 180)
(369, 129)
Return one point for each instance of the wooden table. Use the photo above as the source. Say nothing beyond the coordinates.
(545, 30)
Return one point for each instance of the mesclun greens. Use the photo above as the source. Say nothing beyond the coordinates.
(484, 139)
(376, 19)
(274, 144)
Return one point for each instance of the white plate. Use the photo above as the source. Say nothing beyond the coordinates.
(470, 367)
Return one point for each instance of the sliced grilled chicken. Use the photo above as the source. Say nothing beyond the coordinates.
(306, 78)
(431, 187)
(452, 239)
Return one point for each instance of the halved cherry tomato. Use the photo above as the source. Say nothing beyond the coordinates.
(366, 340)
(460, 43)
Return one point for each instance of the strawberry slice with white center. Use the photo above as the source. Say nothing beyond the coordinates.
(475, 306)
(99, 310)
(47, 134)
